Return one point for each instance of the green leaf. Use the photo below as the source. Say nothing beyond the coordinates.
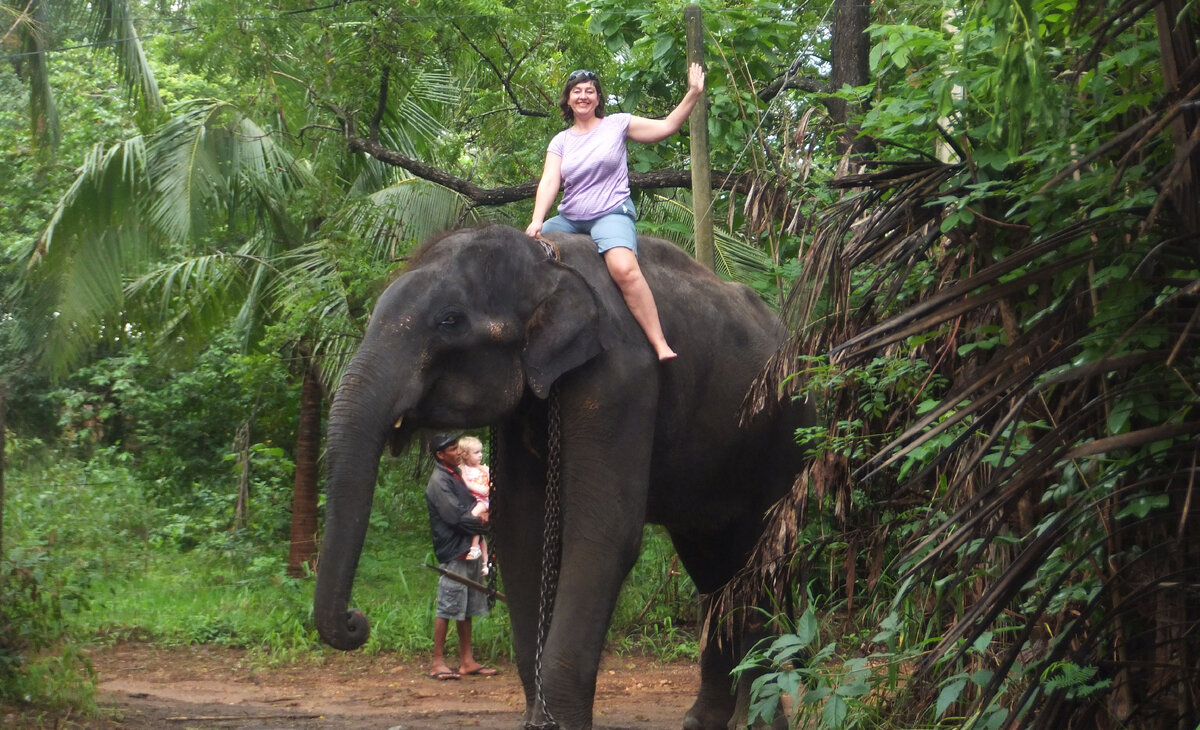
(949, 695)
(981, 644)
(835, 712)
(663, 46)
(1139, 507)
(856, 688)
(1118, 417)
(807, 628)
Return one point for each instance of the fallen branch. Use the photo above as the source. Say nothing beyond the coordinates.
(238, 718)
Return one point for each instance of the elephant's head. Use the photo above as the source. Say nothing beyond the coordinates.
(479, 316)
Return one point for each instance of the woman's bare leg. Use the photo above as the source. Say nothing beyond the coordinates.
(623, 267)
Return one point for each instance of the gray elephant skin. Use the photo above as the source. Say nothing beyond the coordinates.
(474, 334)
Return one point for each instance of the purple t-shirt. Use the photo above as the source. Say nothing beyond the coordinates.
(595, 169)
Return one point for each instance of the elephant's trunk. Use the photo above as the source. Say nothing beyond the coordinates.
(357, 431)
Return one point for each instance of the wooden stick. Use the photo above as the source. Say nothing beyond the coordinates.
(468, 583)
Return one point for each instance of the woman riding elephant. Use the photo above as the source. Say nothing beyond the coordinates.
(589, 159)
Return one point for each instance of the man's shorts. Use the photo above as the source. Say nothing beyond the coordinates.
(611, 230)
(455, 601)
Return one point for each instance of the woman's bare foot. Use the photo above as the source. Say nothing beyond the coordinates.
(667, 354)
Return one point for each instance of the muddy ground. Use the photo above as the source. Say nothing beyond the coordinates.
(144, 687)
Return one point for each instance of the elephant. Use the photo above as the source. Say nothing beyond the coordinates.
(488, 327)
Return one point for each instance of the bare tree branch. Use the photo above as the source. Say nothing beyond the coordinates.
(733, 181)
(382, 106)
(794, 81)
(740, 182)
(505, 79)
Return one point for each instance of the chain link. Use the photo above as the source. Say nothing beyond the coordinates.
(551, 551)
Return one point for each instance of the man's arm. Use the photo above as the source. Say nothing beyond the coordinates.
(452, 512)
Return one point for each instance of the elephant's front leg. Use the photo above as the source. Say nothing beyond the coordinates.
(603, 498)
(518, 503)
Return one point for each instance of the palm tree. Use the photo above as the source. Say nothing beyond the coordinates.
(35, 24)
(196, 227)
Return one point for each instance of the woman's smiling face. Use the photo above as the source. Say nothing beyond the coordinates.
(584, 98)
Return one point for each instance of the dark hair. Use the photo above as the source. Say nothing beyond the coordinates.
(576, 78)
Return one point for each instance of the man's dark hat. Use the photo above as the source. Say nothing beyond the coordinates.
(442, 440)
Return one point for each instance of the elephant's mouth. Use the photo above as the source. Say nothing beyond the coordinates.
(400, 435)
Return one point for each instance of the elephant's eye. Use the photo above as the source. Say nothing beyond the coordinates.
(451, 321)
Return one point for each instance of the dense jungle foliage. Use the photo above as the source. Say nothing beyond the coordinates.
(979, 218)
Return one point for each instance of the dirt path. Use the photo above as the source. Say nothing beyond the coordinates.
(203, 687)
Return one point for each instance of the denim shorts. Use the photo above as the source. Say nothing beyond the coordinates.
(456, 601)
(611, 230)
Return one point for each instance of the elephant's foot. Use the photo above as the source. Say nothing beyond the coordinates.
(540, 719)
(536, 719)
(705, 716)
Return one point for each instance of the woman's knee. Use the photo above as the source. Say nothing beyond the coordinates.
(622, 266)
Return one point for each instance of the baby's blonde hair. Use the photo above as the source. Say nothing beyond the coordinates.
(469, 442)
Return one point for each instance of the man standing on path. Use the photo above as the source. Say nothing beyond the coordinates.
(454, 518)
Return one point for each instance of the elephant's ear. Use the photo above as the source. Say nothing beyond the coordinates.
(564, 330)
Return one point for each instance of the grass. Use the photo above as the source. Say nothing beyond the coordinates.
(98, 539)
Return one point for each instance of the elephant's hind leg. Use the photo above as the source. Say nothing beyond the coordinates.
(712, 560)
(719, 704)
(715, 703)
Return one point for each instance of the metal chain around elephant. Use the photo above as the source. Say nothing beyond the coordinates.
(551, 551)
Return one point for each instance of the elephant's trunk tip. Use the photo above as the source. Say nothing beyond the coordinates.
(348, 634)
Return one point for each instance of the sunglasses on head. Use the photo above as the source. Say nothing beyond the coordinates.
(582, 74)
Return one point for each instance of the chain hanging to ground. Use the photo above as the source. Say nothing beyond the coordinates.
(493, 582)
(551, 552)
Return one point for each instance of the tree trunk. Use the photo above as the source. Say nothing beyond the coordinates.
(241, 446)
(1177, 47)
(304, 495)
(851, 50)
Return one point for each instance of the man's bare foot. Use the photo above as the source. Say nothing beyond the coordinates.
(441, 671)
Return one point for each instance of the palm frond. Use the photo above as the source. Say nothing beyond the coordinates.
(207, 171)
(34, 33)
(190, 184)
(74, 276)
(411, 120)
(734, 259)
(311, 286)
(405, 212)
(112, 21)
(185, 300)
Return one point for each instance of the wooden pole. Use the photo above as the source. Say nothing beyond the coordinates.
(698, 127)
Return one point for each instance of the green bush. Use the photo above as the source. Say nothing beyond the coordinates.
(38, 664)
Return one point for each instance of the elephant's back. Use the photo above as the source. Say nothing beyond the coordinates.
(688, 293)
